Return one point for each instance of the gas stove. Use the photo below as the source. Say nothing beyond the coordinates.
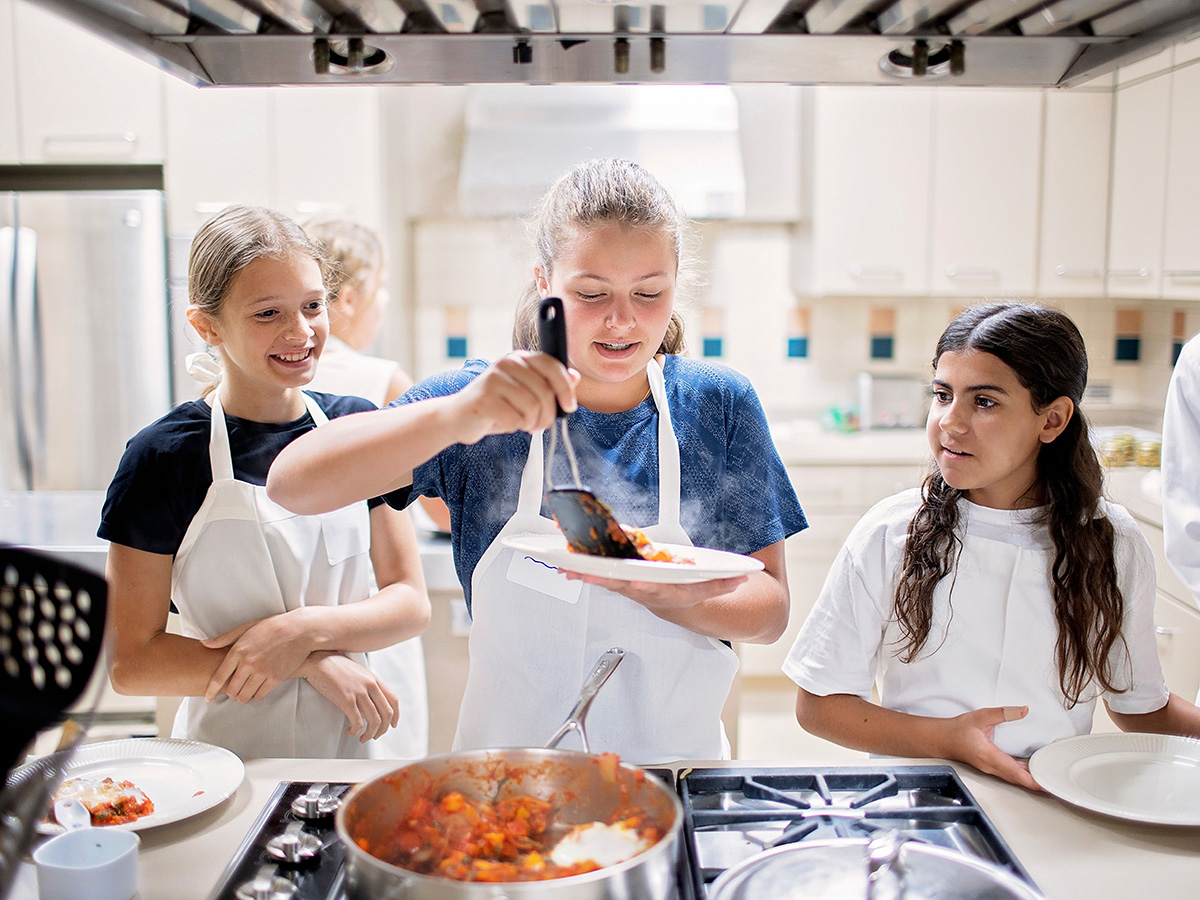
(731, 813)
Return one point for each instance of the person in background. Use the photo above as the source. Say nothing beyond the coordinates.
(1180, 482)
(277, 609)
(681, 448)
(993, 605)
(356, 272)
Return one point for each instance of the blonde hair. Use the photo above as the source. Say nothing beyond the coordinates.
(230, 241)
(593, 194)
(354, 253)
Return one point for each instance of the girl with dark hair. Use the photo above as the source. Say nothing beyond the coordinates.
(994, 605)
(681, 448)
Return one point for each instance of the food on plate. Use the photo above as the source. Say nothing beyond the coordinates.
(643, 545)
(109, 802)
(515, 838)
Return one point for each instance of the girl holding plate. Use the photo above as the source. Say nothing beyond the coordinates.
(676, 446)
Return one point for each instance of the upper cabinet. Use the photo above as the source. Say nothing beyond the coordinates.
(986, 152)
(1139, 174)
(10, 145)
(1181, 238)
(870, 208)
(65, 118)
(1074, 217)
(273, 147)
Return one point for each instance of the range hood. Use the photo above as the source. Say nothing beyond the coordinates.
(968, 42)
(519, 138)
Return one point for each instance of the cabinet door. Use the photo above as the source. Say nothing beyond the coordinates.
(1177, 629)
(10, 147)
(987, 151)
(871, 190)
(328, 153)
(111, 114)
(1075, 193)
(217, 151)
(1138, 189)
(1181, 238)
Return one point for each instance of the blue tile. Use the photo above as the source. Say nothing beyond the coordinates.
(456, 347)
(882, 347)
(712, 346)
(797, 348)
(450, 15)
(540, 17)
(1129, 349)
(715, 17)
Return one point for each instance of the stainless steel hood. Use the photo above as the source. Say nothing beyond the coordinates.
(967, 42)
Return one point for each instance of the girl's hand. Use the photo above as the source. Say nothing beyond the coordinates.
(370, 706)
(661, 599)
(263, 653)
(520, 392)
(970, 737)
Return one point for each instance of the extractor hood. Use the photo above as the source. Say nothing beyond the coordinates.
(520, 138)
(968, 42)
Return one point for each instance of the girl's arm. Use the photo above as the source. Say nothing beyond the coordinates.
(374, 453)
(752, 609)
(1178, 716)
(849, 720)
(264, 653)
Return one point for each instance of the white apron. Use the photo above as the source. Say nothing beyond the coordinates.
(535, 636)
(244, 557)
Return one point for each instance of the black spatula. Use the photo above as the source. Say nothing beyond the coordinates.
(586, 520)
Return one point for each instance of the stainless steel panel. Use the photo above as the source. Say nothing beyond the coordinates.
(908, 16)
(304, 16)
(988, 14)
(149, 16)
(831, 16)
(1143, 15)
(1063, 14)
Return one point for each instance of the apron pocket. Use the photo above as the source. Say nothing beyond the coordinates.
(346, 532)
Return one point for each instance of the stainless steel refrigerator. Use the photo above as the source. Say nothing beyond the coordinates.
(85, 350)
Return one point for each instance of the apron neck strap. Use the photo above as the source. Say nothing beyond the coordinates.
(219, 454)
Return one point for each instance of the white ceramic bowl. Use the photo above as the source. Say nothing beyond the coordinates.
(88, 864)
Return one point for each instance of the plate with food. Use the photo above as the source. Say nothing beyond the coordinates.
(144, 782)
(1151, 778)
(660, 563)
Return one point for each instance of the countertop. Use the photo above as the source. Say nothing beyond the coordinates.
(804, 442)
(1069, 852)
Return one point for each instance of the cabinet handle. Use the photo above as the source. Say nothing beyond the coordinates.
(1064, 272)
(1183, 274)
(90, 144)
(977, 272)
(1163, 629)
(890, 273)
(1143, 272)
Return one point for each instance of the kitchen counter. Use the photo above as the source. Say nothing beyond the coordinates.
(1070, 853)
(803, 442)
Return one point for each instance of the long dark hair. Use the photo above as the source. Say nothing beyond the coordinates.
(1046, 352)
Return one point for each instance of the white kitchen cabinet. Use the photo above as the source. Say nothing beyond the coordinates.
(1181, 230)
(1074, 214)
(1139, 174)
(871, 162)
(1177, 629)
(306, 152)
(114, 116)
(10, 145)
(328, 153)
(218, 151)
(986, 151)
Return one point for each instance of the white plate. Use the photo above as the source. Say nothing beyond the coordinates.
(551, 550)
(1143, 777)
(182, 778)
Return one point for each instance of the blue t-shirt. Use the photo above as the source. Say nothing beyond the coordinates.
(165, 472)
(734, 493)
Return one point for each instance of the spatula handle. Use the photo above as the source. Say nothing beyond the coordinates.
(552, 331)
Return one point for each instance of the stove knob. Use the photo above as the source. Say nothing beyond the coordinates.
(294, 846)
(267, 886)
(316, 803)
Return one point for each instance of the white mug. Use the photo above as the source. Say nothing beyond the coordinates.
(88, 864)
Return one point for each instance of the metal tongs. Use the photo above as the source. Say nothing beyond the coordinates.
(586, 520)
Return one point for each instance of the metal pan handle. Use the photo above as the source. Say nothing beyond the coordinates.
(604, 667)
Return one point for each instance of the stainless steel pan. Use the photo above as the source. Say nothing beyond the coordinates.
(579, 785)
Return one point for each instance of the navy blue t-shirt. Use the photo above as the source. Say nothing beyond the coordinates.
(165, 472)
(735, 494)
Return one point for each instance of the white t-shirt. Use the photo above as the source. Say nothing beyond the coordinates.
(993, 633)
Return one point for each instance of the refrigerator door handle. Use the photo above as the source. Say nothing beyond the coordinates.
(29, 368)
